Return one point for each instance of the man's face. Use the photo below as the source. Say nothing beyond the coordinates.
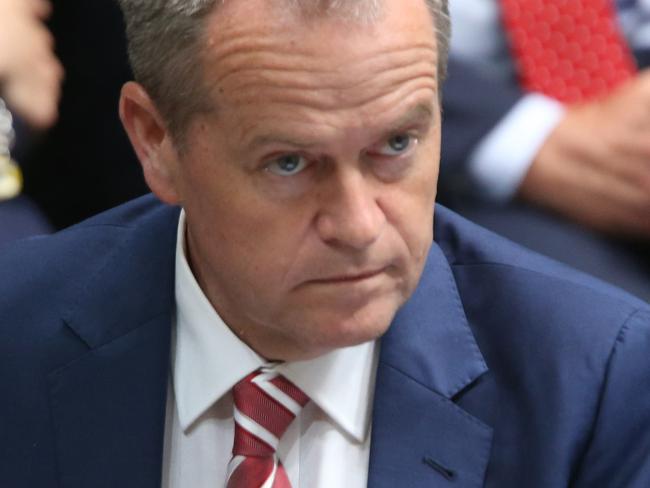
(309, 191)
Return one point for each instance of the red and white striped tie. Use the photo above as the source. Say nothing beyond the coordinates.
(265, 404)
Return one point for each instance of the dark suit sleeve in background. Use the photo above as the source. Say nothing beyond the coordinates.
(473, 103)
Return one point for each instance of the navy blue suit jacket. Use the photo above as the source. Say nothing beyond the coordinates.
(504, 369)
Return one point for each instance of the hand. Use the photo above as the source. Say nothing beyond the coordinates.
(30, 74)
(595, 167)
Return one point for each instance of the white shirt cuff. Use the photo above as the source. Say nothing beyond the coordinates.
(501, 160)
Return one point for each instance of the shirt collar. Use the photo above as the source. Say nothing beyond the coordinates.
(209, 359)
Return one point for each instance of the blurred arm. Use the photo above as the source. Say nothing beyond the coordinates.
(595, 166)
(473, 104)
(30, 74)
(503, 157)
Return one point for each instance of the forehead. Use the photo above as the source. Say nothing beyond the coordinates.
(265, 55)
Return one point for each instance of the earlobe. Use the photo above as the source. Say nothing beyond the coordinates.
(151, 141)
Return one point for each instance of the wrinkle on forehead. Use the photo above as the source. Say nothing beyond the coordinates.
(418, 113)
(309, 72)
(347, 103)
(303, 124)
(352, 85)
(260, 39)
(262, 65)
(333, 72)
(358, 93)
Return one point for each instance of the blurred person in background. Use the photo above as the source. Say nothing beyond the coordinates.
(30, 77)
(571, 180)
(84, 164)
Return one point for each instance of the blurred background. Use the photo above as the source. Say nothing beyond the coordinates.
(84, 164)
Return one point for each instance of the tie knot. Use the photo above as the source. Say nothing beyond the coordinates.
(265, 405)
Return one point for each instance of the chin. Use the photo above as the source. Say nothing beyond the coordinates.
(348, 330)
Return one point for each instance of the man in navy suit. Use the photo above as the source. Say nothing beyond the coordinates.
(301, 141)
(571, 182)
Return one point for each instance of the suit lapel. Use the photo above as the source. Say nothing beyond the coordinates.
(108, 406)
(420, 437)
(108, 409)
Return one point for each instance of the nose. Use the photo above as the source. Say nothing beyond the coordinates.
(350, 214)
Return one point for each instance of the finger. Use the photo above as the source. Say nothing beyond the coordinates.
(47, 75)
(30, 38)
(42, 35)
(40, 8)
(617, 208)
(644, 74)
(632, 168)
(631, 223)
(630, 102)
(42, 105)
(27, 103)
(590, 196)
(631, 159)
(35, 96)
(37, 46)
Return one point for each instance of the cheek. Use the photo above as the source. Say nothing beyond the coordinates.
(410, 213)
(242, 228)
(409, 208)
(255, 240)
(417, 232)
(422, 191)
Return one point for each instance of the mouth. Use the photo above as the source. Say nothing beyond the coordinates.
(348, 278)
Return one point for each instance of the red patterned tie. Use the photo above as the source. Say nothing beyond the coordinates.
(265, 404)
(571, 50)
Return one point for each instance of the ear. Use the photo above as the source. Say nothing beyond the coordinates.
(151, 140)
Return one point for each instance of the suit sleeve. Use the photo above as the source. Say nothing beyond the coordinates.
(473, 103)
(619, 452)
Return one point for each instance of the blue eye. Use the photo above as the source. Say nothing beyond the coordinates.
(287, 165)
(396, 145)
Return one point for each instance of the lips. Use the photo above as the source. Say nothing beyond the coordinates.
(349, 278)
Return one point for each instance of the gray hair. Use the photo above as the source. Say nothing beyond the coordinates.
(164, 44)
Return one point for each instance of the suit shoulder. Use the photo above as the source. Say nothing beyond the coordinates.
(80, 244)
(468, 245)
(523, 305)
(41, 275)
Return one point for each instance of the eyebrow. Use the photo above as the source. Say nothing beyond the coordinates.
(264, 139)
(422, 112)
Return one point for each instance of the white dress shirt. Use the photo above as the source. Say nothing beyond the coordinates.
(501, 160)
(327, 445)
